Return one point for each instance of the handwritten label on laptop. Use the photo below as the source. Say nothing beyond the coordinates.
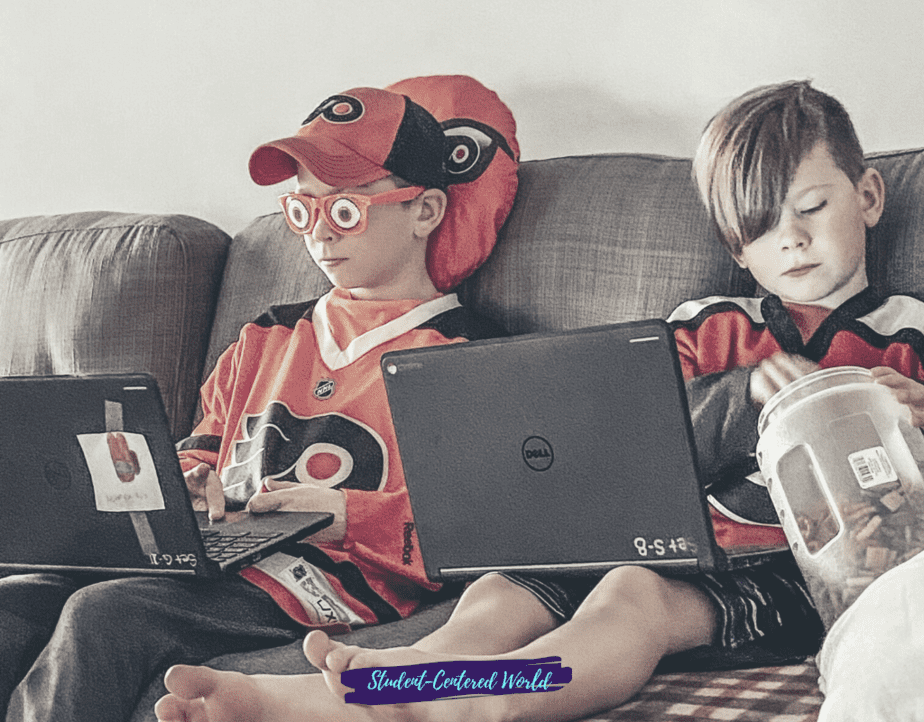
(672, 547)
(171, 560)
(122, 471)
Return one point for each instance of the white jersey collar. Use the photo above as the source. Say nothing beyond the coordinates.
(336, 358)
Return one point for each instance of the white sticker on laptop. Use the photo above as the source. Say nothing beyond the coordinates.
(122, 471)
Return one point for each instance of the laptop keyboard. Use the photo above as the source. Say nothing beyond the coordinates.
(224, 545)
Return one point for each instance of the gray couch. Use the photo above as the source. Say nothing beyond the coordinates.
(591, 240)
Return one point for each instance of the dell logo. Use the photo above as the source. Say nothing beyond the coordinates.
(537, 453)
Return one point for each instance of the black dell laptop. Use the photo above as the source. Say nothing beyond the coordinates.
(553, 453)
(91, 482)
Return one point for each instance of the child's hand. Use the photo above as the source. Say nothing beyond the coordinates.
(906, 391)
(777, 371)
(290, 496)
(206, 491)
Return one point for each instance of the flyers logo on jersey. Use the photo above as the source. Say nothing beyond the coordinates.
(330, 451)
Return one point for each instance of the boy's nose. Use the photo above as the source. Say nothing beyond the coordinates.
(322, 232)
(793, 236)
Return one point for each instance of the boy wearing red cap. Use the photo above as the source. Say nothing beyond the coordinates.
(295, 415)
(297, 406)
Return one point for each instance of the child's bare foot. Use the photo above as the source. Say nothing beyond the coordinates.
(332, 658)
(200, 694)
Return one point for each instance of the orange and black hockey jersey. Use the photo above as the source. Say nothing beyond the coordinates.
(720, 339)
(300, 397)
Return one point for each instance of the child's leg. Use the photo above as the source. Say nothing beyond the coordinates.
(631, 619)
(627, 624)
(493, 616)
(29, 608)
(113, 638)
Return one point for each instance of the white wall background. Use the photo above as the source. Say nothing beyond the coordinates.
(155, 105)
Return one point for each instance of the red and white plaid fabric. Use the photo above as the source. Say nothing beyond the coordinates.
(766, 694)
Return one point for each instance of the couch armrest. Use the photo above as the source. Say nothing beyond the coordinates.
(109, 292)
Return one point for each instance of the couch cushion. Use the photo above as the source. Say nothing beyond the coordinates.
(102, 292)
(601, 239)
(610, 238)
(895, 251)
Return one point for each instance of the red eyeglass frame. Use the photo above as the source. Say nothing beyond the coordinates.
(310, 207)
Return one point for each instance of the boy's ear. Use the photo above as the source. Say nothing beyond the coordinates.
(871, 188)
(431, 209)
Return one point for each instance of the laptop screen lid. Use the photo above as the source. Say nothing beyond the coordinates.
(91, 482)
(567, 452)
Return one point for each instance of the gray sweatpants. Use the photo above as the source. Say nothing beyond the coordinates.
(72, 649)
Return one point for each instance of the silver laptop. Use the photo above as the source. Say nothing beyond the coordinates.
(91, 482)
(553, 453)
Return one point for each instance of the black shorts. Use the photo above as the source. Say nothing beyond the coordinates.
(766, 615)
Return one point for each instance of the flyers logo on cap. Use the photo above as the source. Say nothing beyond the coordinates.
(338, 109)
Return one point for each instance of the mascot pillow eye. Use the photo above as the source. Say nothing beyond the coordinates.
(471, 147)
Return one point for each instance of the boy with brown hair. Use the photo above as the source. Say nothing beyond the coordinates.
(784, 178)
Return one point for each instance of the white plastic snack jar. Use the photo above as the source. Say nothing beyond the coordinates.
(843, 465)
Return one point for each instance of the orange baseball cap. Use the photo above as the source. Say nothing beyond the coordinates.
(357, 137)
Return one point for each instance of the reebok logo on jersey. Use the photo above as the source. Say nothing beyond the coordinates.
(408, 544)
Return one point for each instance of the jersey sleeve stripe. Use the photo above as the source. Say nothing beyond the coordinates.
(694, 313)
